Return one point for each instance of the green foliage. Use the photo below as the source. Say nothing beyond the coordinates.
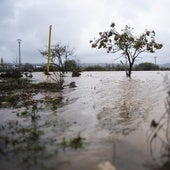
(126, 42)
(23, 114)
(146, 67)
(53, 102)
(13, 84)
(94, 68)
(9, 100)
(11, 73)
(74, 143)
(27, 67)
(71, 65)
(26, 140)
(120, 67)
(47, 86)
(19, 93)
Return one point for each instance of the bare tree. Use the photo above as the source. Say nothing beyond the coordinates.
(59, 54)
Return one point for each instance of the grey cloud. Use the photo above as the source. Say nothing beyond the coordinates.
(75, 23)
(7, 9)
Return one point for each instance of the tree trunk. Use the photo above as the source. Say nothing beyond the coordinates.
(129, 72)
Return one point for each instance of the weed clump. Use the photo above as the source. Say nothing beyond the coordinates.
(75, 143)
(20, 92)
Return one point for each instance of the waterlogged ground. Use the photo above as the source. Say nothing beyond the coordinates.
(105, 120)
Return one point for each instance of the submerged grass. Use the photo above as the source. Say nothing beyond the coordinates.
(75, 143)
(24, 139)
(18, 84)
(20, 92)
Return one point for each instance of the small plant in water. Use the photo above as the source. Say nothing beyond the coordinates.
(33, 114)
(74, 143)
(23, 114)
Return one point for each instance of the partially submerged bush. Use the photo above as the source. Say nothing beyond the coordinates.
(20, 93)
(53, 102)
(14, 84)
(17, 84)
(9, 100)
(11, 74)
(47, 86)
(74, 143)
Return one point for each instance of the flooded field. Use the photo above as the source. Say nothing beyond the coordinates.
(103, 122)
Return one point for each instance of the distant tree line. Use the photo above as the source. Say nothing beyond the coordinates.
(146, 66)
(68, 65)
(72, 65)
(119, 67)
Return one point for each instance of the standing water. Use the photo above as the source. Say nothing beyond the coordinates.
(111, 114)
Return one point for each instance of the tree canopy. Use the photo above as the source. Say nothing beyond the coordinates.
(130, 45)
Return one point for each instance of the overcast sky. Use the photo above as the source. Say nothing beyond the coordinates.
(76, 22)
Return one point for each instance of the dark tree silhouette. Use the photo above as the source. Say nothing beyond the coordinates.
(59, 54)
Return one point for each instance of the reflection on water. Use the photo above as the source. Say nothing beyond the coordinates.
(130, 109)
(30, 140)
(121, 106)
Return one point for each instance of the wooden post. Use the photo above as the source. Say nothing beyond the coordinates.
(49, 51)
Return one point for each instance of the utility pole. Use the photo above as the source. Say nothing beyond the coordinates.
(155, 59)
(2, 61)
(19, 52)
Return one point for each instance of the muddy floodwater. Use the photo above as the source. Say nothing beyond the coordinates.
(110, 113)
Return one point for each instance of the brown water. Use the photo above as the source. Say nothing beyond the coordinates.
(112, 114)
